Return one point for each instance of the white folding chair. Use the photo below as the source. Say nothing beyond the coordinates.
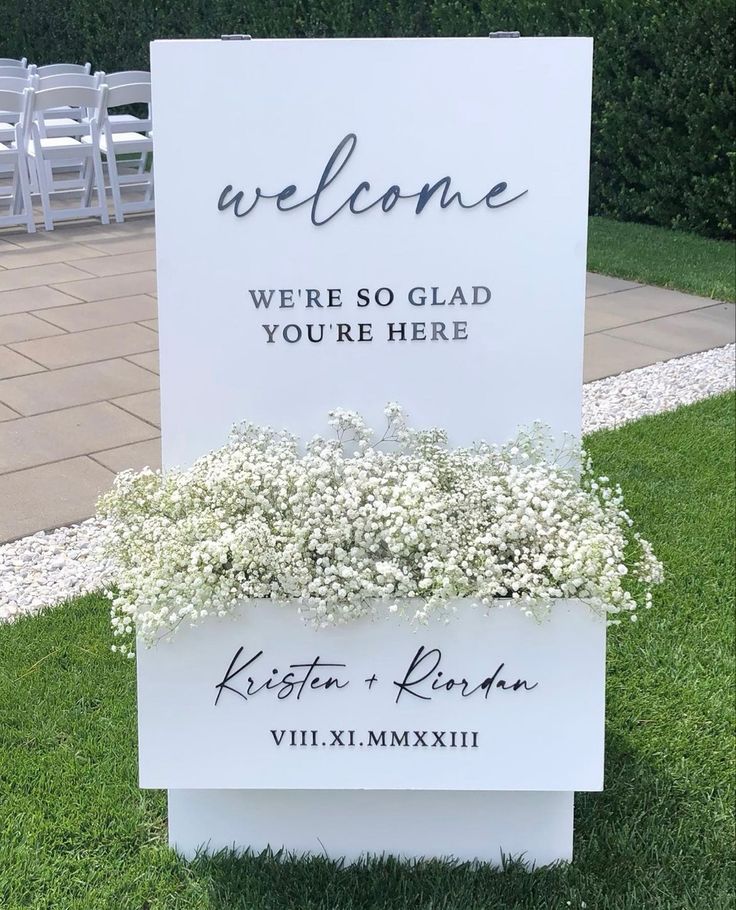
(13, 156)
(11, 61)
(48, 152)
(65, 121)
(129, 143)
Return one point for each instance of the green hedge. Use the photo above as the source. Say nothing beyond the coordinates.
(663, 99)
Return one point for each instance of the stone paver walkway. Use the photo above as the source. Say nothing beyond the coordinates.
(79, 363)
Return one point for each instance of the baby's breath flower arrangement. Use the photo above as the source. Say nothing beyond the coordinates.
(348, 523)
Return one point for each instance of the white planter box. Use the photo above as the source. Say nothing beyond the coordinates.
(489, 701)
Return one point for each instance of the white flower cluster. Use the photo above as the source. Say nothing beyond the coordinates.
(353, 522)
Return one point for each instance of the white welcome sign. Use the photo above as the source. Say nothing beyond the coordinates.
(366, 221)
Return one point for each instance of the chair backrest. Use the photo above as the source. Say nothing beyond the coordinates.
(93, 99)
(15, 102)
(18, 103)
(126, 95)
(56, 69)
(68, 79)
(135, 93)
(10, 61)
(16, 72)
(14, 84)
(126, 77)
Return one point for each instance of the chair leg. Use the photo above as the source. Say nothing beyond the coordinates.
(112, 170)
(100, 181)
(49, 169)
(32, 173)
(43, 188)
(149, 186)
(15, 194)
(87, 179)
(25, 194)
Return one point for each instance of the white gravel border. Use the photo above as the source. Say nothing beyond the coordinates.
(50, 567)
(616, 400)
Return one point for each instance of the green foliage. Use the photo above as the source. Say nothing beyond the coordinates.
(663, 96)
(77, 834)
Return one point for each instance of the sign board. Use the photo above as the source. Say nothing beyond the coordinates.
(344, 223)
(489, 701)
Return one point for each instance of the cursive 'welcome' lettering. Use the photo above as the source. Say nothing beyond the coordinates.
(357, 202)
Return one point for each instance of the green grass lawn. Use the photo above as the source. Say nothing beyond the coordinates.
(77, 834)
(655, 255)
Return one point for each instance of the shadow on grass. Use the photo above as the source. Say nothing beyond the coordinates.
(632, 851)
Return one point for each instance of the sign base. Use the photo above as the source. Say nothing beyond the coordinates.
(412, 824)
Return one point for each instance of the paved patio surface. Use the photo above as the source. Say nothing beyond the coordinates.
(79, 362)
